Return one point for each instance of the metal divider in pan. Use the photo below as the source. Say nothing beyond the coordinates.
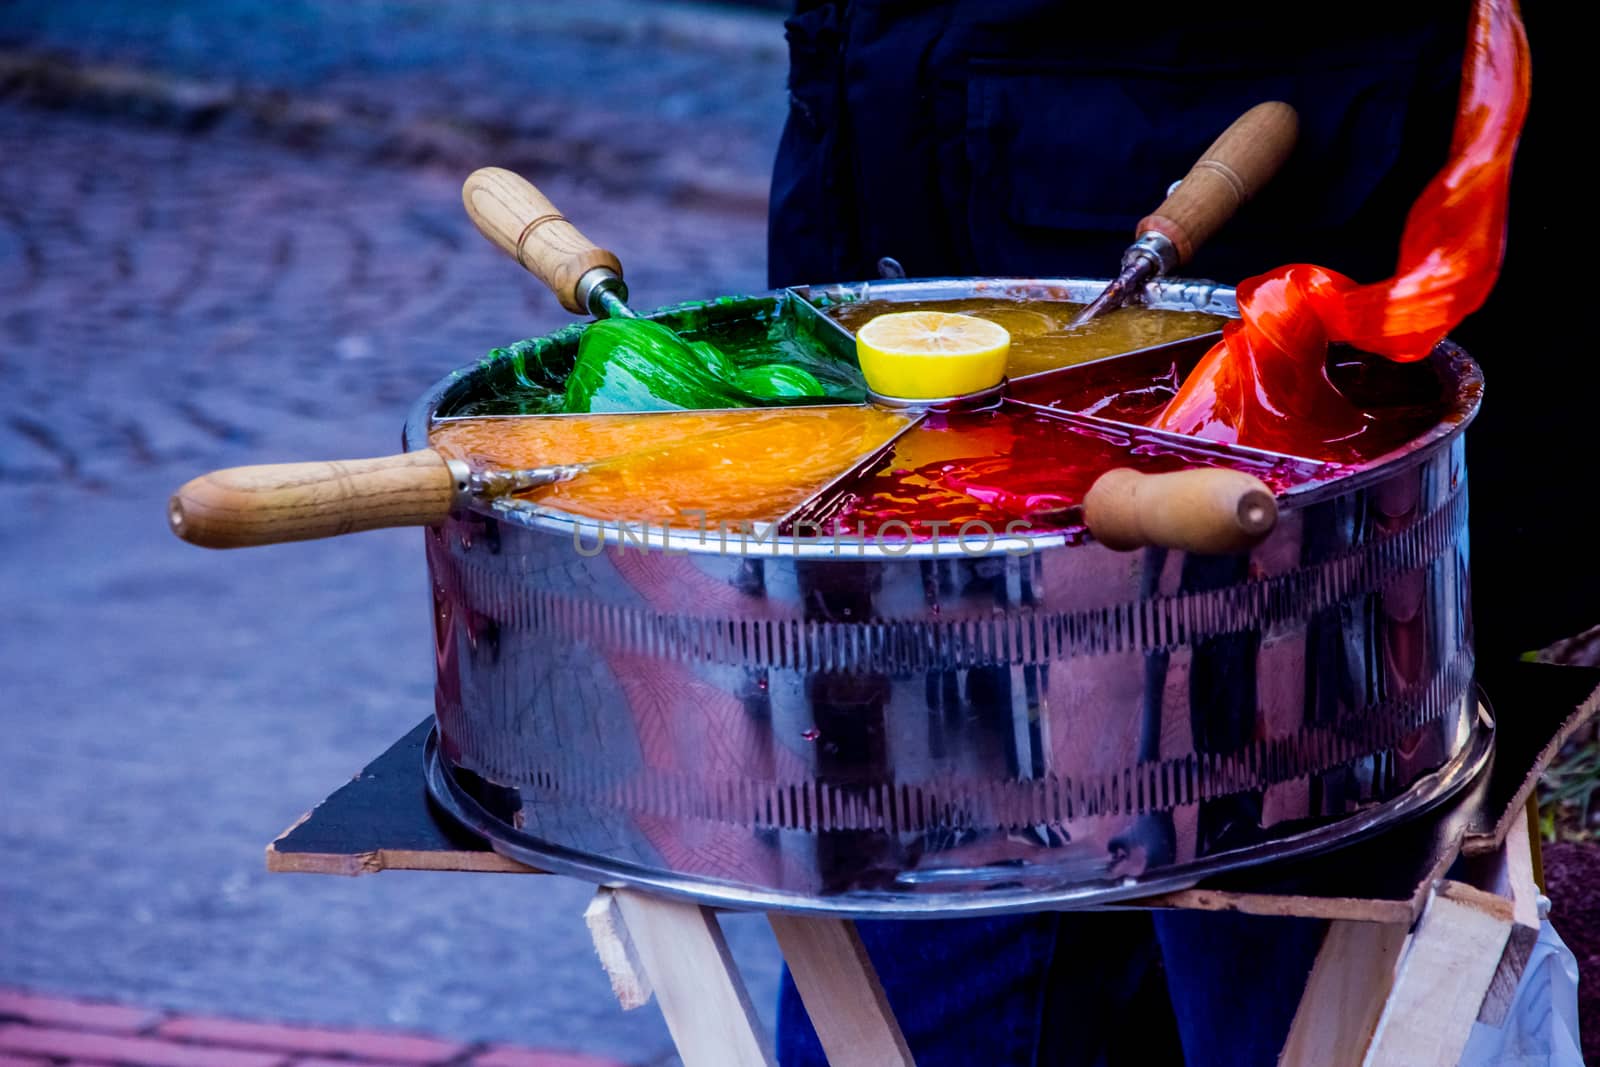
(821, 327)
(1166, 294)
(816, 509)
(1447, 383)
(1076, 386)
(1287, 474)
(1294, 473)
(1187, 349)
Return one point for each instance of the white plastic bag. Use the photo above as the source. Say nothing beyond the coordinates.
(1541, 1029)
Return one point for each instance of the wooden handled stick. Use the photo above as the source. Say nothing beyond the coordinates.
(511, 212)
(265, 505)
(1207, 510)
(1232, 171)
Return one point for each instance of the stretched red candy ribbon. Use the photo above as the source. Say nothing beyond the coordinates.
(1265, 384)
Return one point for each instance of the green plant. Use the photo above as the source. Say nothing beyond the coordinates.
(1568, 791)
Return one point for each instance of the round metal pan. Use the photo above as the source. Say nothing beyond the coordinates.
(792, 723)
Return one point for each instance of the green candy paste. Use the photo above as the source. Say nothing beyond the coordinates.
(637, 364)
(763, 358)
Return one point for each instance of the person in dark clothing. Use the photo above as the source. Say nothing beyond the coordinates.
(1027, 138)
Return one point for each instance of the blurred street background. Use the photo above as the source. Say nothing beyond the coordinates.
(231, 232)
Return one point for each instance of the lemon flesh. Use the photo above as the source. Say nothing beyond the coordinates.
(923, 355)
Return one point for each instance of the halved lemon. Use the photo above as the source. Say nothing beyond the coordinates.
(921, 355)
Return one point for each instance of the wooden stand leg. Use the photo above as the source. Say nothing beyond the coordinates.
(1349, 983)
(1443, 978)
(618, 954)
(1379, 996)
(677, 949)
(1514, 877)
(677, 952)
(843, 997)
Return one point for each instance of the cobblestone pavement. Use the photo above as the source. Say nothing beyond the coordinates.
(681, 99)
(175, 300)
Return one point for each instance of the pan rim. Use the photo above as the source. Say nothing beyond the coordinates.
(762, 541)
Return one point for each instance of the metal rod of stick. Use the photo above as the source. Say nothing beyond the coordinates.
(1231, 171)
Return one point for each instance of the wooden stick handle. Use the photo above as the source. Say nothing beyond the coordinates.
(511, 212)
(265, 505)
(1208, 510)
(1232, 170)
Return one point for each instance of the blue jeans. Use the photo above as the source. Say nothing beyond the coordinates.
(1053, 990)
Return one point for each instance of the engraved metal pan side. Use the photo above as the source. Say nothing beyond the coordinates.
(961, 892)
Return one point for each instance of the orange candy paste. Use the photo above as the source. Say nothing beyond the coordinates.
(743, 465)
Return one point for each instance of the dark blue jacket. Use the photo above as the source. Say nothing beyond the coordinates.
(1027, 137)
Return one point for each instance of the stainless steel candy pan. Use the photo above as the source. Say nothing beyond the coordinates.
(916, 730)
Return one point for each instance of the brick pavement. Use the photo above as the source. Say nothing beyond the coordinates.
(39, 1031)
